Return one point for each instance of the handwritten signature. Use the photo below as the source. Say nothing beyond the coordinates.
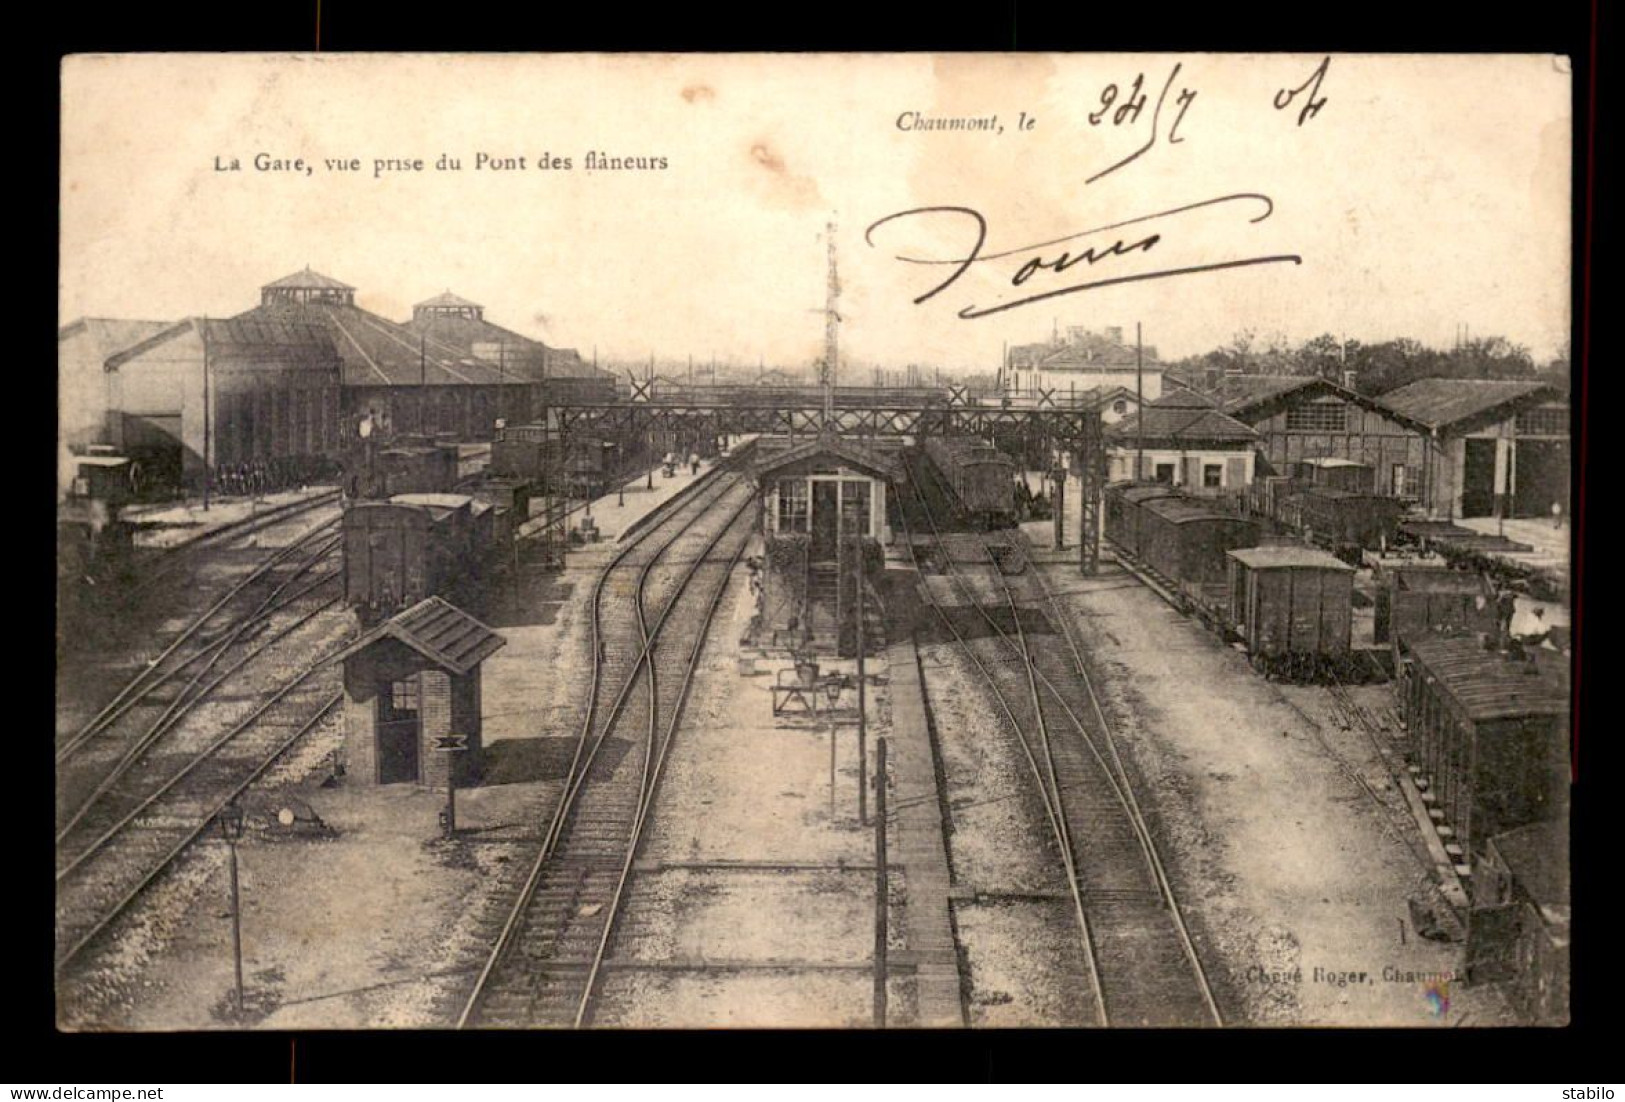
(1041, 260)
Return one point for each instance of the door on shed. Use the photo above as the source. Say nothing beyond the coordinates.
(824, 519)
(399, 730)
(1478, 479)
(1542, 475)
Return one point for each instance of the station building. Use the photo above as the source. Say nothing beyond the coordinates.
(823, 501)
(1491, 447)
(1196, 447)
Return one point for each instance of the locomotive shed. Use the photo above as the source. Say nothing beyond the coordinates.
(1100, 810)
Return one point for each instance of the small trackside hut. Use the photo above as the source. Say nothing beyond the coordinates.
(409, 683)
(824, 508)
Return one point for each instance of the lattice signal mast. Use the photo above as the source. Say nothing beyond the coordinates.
(830, 368)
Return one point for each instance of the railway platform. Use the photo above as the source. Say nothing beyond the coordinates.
(621, 512)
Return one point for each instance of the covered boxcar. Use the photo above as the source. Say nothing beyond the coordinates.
(1488, 735)
(1123, 503)
(1414, 602)
(1186, 541)
(981, 478)
(1293, 607)
(398, 552)
(1345, 522)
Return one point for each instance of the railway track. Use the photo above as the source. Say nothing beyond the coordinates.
(219, 624)
(166, 563)
(240, 686)
(1143, 968)
(544, 966)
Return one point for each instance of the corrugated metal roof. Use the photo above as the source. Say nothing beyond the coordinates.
(855, 455)
(1241, 392)
(309, 280)
(1288, 557)
(1489, 684)
(1444, 403)
(378, 352)
(439, 631)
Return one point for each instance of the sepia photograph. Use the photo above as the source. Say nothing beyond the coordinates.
(842, 541)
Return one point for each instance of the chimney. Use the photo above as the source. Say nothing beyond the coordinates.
(1348, 379)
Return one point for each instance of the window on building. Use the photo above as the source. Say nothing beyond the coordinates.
(1545, 421)
(1120, 407)
(1318, 417)
(1212, 475)
(1165, 473)
(400, 699)
(793, 505)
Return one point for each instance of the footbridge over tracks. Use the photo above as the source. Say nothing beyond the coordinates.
(1044, 428)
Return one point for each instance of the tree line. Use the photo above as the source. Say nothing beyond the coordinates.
(1379, 367)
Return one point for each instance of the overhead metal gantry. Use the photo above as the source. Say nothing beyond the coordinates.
(1073, 430)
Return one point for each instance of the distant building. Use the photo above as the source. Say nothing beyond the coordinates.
(1303, 417)
(1084, 360)
(522, 361)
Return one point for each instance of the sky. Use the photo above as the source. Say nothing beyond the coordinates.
(1426, 192)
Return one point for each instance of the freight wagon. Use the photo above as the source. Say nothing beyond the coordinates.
(1415, 602)
(1186, 541)
(1335, 473)
(981, 479)
(1346, 523)
(1488, 734)
(1123, 500)
(1294, 610)
(412, 546)
(1290, 605)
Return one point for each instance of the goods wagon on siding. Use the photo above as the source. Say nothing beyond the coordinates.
(405, 465)
(1123, 502)
(1344, 522)
(1420, 602)
(1488, 734)
(981, 479)
(1294, 609)
(578, 465)
(1186, 541)
(413, 546)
